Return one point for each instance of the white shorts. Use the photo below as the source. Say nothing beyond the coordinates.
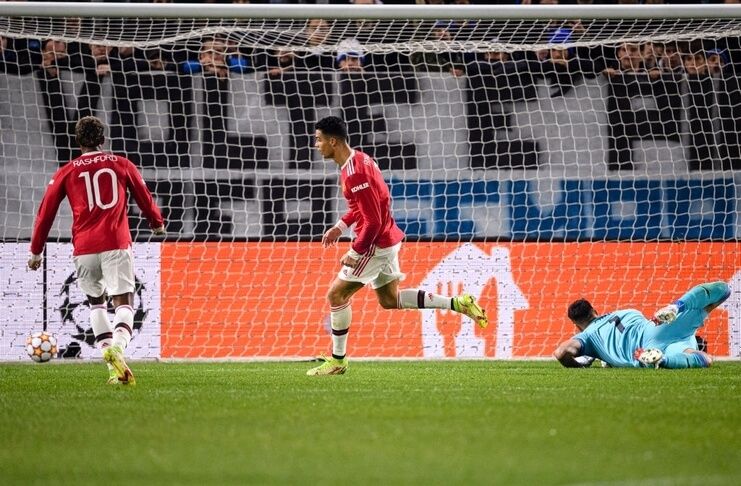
(379, 269)
(109, 271)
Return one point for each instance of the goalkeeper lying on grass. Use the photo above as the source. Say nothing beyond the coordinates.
(625, 338)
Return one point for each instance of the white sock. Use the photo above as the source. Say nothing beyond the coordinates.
(123, 324)
(340, 317)
(102, 329)
(419, 299)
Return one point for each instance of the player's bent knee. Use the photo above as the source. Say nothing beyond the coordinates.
(96, 300)
(123, 299)
(336, 298)
(388, 303)
(705, 356)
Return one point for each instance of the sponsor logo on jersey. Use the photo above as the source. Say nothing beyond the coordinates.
(360, 187)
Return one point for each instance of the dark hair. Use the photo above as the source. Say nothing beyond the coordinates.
(332, 126)
(89, 132)
(581, 311)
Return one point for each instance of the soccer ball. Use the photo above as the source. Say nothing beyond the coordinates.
(41, 346)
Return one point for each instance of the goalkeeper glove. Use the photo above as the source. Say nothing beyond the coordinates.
(584, 361)
(667, 314)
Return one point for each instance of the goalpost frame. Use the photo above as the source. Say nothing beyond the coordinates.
(412, 12)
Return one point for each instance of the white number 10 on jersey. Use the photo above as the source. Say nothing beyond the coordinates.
(92, 185)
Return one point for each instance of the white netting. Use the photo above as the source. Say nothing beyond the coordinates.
(531, 162)
(376, 35)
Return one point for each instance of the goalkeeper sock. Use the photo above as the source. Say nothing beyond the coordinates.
(703, 295)
(684, 360)
(340, 317)
(419, 299)
(101, 326)
(123, 323)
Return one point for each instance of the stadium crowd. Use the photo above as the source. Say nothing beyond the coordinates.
(703, 70)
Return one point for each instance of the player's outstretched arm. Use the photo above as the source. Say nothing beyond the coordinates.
(567, 352)
(144, 199)
(331, 236)
(34, 261)
(45, 218)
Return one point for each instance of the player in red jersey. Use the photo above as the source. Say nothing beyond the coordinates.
(374, 254)
(96, 185)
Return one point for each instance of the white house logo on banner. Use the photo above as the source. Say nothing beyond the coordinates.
(469, 269)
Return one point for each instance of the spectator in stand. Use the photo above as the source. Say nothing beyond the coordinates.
(126, 63)
(299, 81)
(213, 63)
(446, 62)
(652, 53)
(8, 58)
(695, 64)
(563, 67)
(671, 59)
(238, 59)
(219, 57)
(216, 62)
(213, 58)
(127, 59)
(53, 58)
(728, 102)
(716, 60)
(279, 61)
(350, 56)
(365, 27)
(19, 56)
(282, 61)
(96, 65)
(701, 106)
(354, 89)
(629, 60)
(317, 31)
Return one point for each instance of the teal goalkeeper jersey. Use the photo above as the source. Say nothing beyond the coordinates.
(614, 337)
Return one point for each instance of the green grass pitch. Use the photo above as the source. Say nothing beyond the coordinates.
(465, 422)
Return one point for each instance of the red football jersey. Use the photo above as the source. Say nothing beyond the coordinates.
(96, 185)
(369, 204)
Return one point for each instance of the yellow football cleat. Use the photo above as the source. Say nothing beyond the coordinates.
(331, 366)
(113, 355)
(466, 304)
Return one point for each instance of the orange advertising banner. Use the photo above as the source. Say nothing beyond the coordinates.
(241, 300)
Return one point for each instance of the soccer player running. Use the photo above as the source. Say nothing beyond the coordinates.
(625, 338)
(96, 185)
(374, 254)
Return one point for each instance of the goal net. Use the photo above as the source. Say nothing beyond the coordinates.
(534, 155)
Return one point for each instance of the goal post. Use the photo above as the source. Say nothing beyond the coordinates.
(535, 155)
